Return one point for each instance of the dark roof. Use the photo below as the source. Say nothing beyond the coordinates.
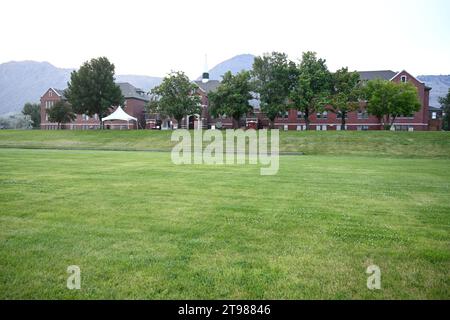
(209, 86)
(434, 108)
(382, 75)
(60, 92)
(129, 91)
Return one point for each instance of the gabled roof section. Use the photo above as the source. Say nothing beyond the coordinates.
(131, 92)
(381, 75)
(59, 92)
(409, 75)
(209, 86)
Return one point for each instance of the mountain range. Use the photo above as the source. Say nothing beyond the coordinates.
(26, 81)
(439, 84)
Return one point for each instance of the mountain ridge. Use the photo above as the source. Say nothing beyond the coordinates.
(25, 81)
(235, 64)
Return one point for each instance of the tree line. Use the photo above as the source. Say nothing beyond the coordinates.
(280, 84)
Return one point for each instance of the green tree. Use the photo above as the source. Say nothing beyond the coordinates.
(33, 110)
(273, 77)
(389, 100)
(345, 93)
(176, 97)
(92, 89)
(232, 96)
(313, 85)
(445, 103)
(61, 112)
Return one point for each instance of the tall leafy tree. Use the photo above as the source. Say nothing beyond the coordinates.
(389, 100)
(273, 77)
(313, 85)
(176, 97)
(445, 103)
(92, 90)
(345, 93)
(33, 110)
(153, 106)
(61, 112)
(232, 96)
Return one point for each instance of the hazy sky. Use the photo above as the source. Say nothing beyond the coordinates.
(154, 37)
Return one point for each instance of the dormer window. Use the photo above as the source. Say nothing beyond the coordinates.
(404, 79)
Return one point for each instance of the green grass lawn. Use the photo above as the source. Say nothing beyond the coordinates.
(140, 227)
(369, 143)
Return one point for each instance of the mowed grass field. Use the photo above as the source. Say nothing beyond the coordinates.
(140, 227)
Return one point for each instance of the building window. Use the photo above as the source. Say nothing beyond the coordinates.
(285, 115)
(402, 128)
(363, 115)
(323, 115)
(404, 79)
(362, 128)
(434, 116)
(339, 115)
(50, 93)
(85, 117)
(299, 115)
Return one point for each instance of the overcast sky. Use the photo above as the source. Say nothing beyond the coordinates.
(154, 37)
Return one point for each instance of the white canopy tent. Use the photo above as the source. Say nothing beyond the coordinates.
(119, 114)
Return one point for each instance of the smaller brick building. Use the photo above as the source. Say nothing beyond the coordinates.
(135, 100)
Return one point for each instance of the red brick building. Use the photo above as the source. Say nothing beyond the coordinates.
(135, 100)
(360, 119)
(203, 120)
(293, 120)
